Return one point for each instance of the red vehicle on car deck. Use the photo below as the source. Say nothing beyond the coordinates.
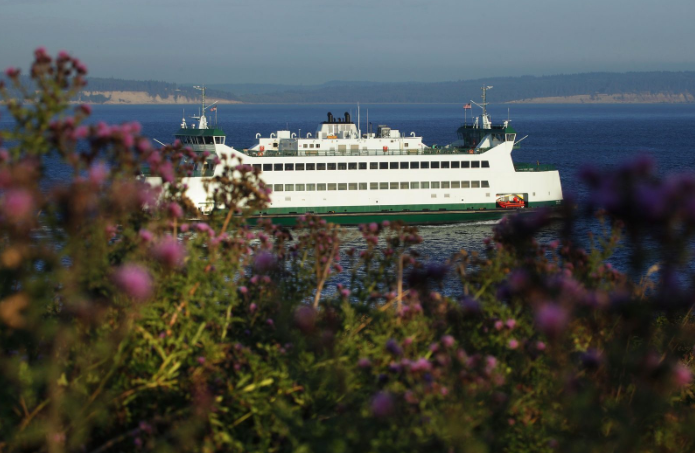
(511, 203)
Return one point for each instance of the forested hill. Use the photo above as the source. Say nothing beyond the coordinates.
(588, 87)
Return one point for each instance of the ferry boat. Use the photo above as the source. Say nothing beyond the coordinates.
(350, 177)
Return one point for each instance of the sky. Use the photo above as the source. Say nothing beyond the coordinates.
(314, 41)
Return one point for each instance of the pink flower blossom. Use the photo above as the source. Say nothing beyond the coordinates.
(18, 205)
(513, 344)
(243, 290)
(421, 364)
(175, 210)
(682, 376)
(146, 235)
(448, 341)
(253, 308)
(169, 252)
(499, 325)
(510, 323)
(98, 173)
(134, 281)
(540, 346)
(364, 363)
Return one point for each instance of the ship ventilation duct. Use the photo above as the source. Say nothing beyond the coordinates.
(347, 117)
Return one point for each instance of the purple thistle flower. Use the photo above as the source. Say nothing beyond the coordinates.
(364, 363)
(382, 405)
(448, 341)
(305, 318)
(513, 344)
(393, 347)
(264, 262)
(133, 280)
(201, 360)
(253, 307)
(551, 319)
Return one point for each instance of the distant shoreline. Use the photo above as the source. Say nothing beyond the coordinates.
(142, 98)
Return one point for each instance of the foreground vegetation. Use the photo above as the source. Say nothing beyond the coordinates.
(125, 326)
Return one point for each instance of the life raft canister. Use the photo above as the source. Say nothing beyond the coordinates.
(470, 151)
(262, 148)
(386, 148)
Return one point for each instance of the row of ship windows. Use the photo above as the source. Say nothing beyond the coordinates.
(352, 147)
(382, 186)
(186, 140)
(374, 165)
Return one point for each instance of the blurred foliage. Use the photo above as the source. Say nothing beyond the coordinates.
(125, 326)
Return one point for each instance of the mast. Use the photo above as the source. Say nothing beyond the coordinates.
(484, 104)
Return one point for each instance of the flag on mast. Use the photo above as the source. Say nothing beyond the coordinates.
(467, 106)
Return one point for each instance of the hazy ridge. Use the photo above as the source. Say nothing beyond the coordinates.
(597, 87)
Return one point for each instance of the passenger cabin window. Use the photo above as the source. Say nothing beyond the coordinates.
(435, 164)
(475, 164)
(485, 184)
(465, 164)
(373, 165)
(352, 166)
(289, 167)
(415, 165)
(393, 165)
(363, 165)
(321, 166)
(445, 164)
(208, 141)
(310, 167)
(299, 167)
(383, 165)
(486, 164)
(455, 164)
(277, 167)
(424, 165)
(342, 166)
(257, 166)
(267, 167)
(331, 166)
(404, 165)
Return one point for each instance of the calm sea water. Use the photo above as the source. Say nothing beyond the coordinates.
(569, 136)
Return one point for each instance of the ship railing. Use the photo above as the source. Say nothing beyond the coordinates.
(361, 152)
(534, 167)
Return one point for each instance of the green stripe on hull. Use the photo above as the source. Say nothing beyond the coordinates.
(437, 214)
